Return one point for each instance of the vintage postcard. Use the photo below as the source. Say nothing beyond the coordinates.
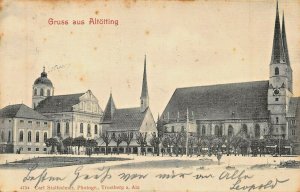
(138, 95)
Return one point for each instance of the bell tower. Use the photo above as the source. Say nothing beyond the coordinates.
(41, 89)
(280, 81)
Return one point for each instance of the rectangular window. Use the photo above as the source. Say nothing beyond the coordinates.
(182, 128)
(29, 149)
(45, 123)
(37, 149)
(38, 123)
(9, 120)
(173, 129)
(30, 122)
(293, 131)
(21, 121)
(276, 99)
(45, 149)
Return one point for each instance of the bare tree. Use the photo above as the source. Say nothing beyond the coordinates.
(175, 140)
(155, 141)
(107, 139)
(127, 137)
(118, 139)
(141, 140)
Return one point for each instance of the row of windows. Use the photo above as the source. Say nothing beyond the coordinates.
(30, 122)
(218, 131)
(37, 136)
(36, 149)
(42, 92)
(67, 130)
(89, 129)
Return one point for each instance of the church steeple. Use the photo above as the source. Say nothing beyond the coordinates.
(144, 95)
(286, 51)
(278, 55)
(109, 109)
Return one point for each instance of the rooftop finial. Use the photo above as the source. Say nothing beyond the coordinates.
(44, 68)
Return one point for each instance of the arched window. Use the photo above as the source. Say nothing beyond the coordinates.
(45, 136)
(257, 131)
(67, 128)
(2, 136)
(276, 71)
(96, 129)
(35, 92)
(42, 92)
(29, 136)
(218, 131)
(81, 127)
(48, 92)
(113, 135)
(131, 134)
(58, 128)
(21, 136)
(230, 131)
(37, 137)
(203, 130)
(198, 129)
(182, 128)
(89, 129)
(277, 120)
(244, 129)
(9, 134)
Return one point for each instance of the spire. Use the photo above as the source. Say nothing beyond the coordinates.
(145, 86)
(278, 55)
(284, 41)
(109, 110)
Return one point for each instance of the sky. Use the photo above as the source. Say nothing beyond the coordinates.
(187, 44)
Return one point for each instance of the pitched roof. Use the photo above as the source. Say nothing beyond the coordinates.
(127, 119)
(294, 107)
(278, 54)
(59, 103)
(247, 100)
(20, 111)
(109, 110)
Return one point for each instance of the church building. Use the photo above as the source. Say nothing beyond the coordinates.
(73, 115)
(131, 121)
(260, 109)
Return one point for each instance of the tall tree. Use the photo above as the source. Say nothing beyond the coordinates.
(154, 142)
(106, 137)
(127, 137)
(118, 139)
(53, 142)
(141, 140)
(67, 142)
(79, 142)
(90, 145)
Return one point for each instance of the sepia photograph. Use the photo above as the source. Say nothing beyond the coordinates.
(138, 95)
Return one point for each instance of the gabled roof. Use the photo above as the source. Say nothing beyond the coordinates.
(59, 103)
(20, 111)
(247, 100)
(294, 107)
(127, 119)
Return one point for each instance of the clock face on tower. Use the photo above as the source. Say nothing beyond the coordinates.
(276, 91)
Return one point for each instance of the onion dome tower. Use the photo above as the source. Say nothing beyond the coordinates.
(41, 89)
